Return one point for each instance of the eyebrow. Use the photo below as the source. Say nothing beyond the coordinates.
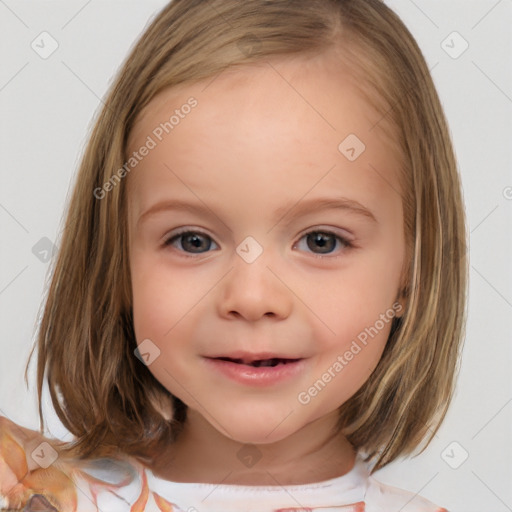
(301, 207)
(306, 206)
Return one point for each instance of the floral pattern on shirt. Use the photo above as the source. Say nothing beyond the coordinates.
(34, 478)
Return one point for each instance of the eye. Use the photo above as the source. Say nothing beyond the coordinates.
(322, 242)
(194, 242)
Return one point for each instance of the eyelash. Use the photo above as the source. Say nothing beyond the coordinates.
(345, 243)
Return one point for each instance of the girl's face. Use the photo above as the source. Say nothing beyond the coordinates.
(265, 221)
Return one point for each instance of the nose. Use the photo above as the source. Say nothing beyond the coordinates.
(252, 291)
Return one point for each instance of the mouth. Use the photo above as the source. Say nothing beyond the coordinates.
(257, 370)
(256, 363)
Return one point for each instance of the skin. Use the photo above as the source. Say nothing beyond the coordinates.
(264, 138)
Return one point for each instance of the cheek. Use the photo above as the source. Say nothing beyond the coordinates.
(352, 301)
(346, 364)
(145, 305)
(160, 297)
(357, 309)
(155, 306)
(165, 308)
(158, 307)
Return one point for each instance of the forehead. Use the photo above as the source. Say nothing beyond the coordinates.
(286, 114)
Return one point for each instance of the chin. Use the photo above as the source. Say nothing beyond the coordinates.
(251, 436)
(255, 429)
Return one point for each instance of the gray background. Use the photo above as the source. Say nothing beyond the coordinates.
(47, 107)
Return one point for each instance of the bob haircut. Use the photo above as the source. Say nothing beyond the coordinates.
(102, 393)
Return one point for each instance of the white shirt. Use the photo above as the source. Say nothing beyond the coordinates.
(121, 485)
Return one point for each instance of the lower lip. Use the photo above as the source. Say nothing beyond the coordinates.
(257, 376)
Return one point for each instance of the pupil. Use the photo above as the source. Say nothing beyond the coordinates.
(323, 241)
(194, 242)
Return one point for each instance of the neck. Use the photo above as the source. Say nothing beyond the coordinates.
(202, 454)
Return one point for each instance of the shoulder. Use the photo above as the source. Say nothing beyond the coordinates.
(384, 498)
(30, 470)
(119, 484)
(35, 476)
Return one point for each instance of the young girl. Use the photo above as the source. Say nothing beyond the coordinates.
(259, 295)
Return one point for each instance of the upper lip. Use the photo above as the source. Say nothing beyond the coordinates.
(247, 357)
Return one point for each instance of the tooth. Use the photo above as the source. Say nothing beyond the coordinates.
(267, 362)
(270, 362)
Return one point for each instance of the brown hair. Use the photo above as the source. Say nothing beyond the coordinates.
(101, 392)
